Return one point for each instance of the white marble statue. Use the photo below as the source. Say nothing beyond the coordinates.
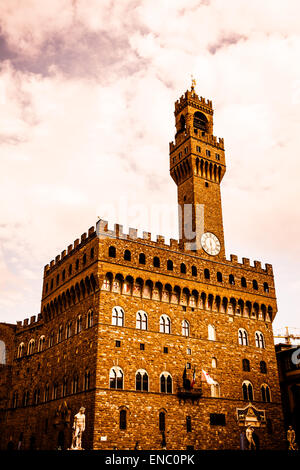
(249, 436)
(78, 429)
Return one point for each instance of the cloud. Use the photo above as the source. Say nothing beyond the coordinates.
(86, 116)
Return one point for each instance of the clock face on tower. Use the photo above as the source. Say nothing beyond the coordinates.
(210, 243)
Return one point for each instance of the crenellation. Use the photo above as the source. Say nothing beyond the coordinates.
(63, 254)
(32, 319)
(76, 243)
(25, 322)
(160, 239)
(133, 232)
(52, 262)
(83, 237)
(257, 265)
(57, 259)
(147, 236)
(269, 269)
(234, 258)
(70, 248)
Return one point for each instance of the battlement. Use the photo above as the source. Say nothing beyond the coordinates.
(103, 232)
(203, 136)
(191, 98)
(29, 322)
(85, 237)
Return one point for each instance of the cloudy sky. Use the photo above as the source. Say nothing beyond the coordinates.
(87, 91)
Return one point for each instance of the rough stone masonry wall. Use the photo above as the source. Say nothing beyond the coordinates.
(143, 407)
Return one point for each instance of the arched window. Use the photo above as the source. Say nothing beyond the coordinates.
(112, 252)
(247, 391)
(54, 391)
(219, 277)
(64, 387)
(90, 319)
(162, 421)
(60, 334)
(77, 264)
(166, 382)
(211, 333)
(246, 365)
(68, 329)
(92, 253)
(200, 121)
(30, 348)
(259, 340)
(46, 393)
(231, 279)
(170, 265)
(156, 262)
(123, 419)
(84, 259)
(243, 282)
(188, 424)
(141, 320)
(185, 328)
(41, 343)
(117, 316)
(165, 324)
(116, 378)
(141, 381)
(206, 274)
(265, 393)
(127, 255)
(15, 400)
(21, 350)
(194, 271)
(255, 285)
(266, 287)
(25, 400)
(87, 378)
(243, 337)
(183, 268)
(182, 123)
(263, 367)
(215, 390)
(75, 384)
(51, 339)
(36, 396)
(214, 362)
(70, 269)
(142, 258)
(79, 324)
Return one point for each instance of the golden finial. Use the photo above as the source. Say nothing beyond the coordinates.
(193, 82)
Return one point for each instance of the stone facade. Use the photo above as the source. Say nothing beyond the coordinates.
(120, 314)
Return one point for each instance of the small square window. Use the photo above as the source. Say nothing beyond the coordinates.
(174, 159)
(189, 351)
(166, 350)
(184, 308)
(192, 309)
(188, 365)
(208, 153)
(118, 344)
(206, 184)
(217, 156)
(198, 149)
(142, 346)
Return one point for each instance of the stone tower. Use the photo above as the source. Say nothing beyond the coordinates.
(197, 165)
